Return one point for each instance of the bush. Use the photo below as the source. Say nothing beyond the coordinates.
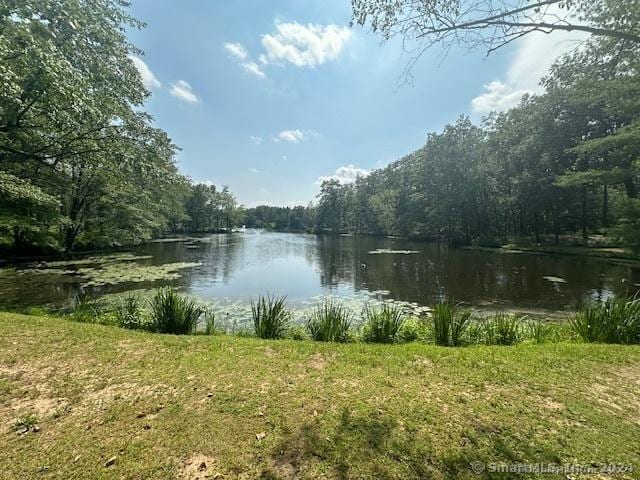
(413, 329)
(174, 313)
(381, 325)
(298, 332)
(128, 312)
(614, 321)
(270, 317)
(450, 323)
(330, 322)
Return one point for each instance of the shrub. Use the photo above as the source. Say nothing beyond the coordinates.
(450, 323)
(502, 329)
(174, 313)
(330, 322)
(614, 321)
(413, 329)
(298, 332)
(270, 317)
(128, 312)
(381, 325)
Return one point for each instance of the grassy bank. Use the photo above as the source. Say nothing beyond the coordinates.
(88, 401)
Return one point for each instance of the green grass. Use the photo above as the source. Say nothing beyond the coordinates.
(251, 408)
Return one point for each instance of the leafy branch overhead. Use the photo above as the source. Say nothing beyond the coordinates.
(492, 24)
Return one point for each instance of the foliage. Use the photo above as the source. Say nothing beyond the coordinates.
(174, 313)
(298, 332)
(271, 317)
(493, 24)
(85, 308)
(617, 320)
(450, 323)
(128, 312)
(501, 329)
(209, 321)
(414, 329)
(330, 322)
(382, 324)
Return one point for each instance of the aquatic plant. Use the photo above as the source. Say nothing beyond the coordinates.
(330, 322)
(615, 321)
(450, 323)
(298, 332)
(174, 313)
(413, 329)
(271, 318)
(382, 324)
(128, 311)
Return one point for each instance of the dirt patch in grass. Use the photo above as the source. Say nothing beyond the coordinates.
(318, 361)
(199, 467)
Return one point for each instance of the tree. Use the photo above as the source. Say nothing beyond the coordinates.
(492, 24)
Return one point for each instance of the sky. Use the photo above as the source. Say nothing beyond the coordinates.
(272, 97)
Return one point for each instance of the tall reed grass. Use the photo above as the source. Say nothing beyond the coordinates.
(382, 324)
(271, 318)
(330, 322)
(174, 313)
(450, 322)
(615, 321)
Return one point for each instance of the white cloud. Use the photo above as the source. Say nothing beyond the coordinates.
(304, 45)
(295, 136)
(254, 170)
(255, 140)
(148, 78)
(254, 69)
(533, 59)
(239, 53)
(301, 45)
(184, 92)
(346, 174)
(236, 50)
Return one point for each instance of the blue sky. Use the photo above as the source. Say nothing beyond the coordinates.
(269, 97)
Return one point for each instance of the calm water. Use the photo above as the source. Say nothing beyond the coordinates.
(240, 266)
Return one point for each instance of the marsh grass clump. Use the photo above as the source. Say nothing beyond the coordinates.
(450, 322)
(85, 308)
(541, 332)
(174, 313)
(382, 324)
(330, 322)
(615, 321)
(209, 321)
(502, 329)
(128, 312)
(271, 317)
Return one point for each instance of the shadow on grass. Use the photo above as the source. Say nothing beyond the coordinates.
(376, 446)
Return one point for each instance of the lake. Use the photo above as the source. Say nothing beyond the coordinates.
(231, 269)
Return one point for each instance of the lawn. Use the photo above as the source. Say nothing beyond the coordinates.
(82, 401)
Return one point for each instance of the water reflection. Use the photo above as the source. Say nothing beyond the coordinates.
(237, 267)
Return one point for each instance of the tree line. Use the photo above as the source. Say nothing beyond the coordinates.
(81, 163)
(561, 163)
